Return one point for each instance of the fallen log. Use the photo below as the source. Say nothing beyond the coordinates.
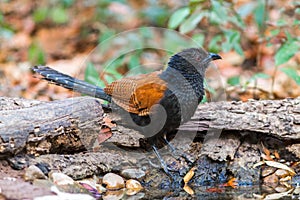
(67, 131)
(277, 118)
(72, 125)
(34, 127)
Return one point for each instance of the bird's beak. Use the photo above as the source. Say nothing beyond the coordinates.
(214, 56)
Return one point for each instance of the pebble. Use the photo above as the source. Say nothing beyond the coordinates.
(93, 183)
(133, 187)
(297, 190)
(33, 172)
(113, 181)
(285, 179)
(268, 171)
(271, 179)
(60, 178)
(281, 173)
(114, 194)
(133, 173)
(281, 189)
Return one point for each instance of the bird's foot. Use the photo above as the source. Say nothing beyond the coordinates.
(177, 155)
(162, 162)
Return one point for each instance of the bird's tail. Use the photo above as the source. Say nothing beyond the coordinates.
(71, 83)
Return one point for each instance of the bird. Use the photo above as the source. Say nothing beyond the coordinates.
(155, 104)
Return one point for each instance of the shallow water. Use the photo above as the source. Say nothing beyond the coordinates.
(224, 193)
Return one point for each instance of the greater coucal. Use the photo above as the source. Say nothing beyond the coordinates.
(155, 103)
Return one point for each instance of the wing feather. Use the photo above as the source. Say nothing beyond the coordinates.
(137, 94)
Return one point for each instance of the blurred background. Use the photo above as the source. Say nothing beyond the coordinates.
(258, 40)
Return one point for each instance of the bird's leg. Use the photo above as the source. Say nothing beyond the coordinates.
(176, 180)
(162, 162)
(175, 152)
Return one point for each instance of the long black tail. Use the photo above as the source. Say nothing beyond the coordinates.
(71, 83)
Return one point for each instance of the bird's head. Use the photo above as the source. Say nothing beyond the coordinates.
(192, 59)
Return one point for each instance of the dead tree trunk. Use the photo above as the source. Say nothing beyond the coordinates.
(48, 127)
(74, 124)
(280, 118)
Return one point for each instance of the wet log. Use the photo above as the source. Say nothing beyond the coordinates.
(72, 125)
(34, 127)
(276, 118)
(62, 128)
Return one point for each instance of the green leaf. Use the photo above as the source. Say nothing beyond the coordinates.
(233, 41)
(1, 18)
(59, 15)
(146, 32)
(296, 22)
(199, 38)
(113, 75)
(114, 63)
(106, 34)
(286, 51)
(190, 23)
(258, 76)
(292, 73)
(213, 44)
(91, 75)
(259, 14)
(178, 16)
(275, 32)
(204, 99)
(220, 10)
(235, 80)
(214, 19)
(208, 87)
(237, 47)
(40, 14)
(237, 20)
(67, 3)
(36, 54)
(134, 61)
(246, 9)
(6, 33)
(281, 22)
(157, 15)
(196, 1)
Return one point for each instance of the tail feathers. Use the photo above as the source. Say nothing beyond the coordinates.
(71, 83)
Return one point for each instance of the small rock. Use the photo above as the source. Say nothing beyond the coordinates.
(133, 173)
(113, 181)
(60, 178)
(131, 192)
(114, 195)
(281, 173)
(268, 171)
(42, 183)
(297, 190)
(272, 179)
(33, 172)
(285, 179)
(66, 196)
(133, 187)
(92, 183)
(281, 188)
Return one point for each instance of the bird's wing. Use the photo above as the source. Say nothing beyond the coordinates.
(137, 94)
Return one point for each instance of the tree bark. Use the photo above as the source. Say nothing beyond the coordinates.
(72, 125)
(48, 127)
(277, 118)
